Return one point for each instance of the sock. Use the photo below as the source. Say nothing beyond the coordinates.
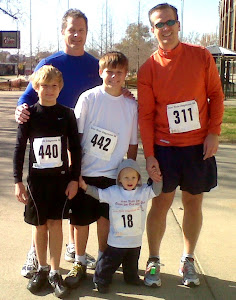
(184, 256)
(154, 256)
(81, 258)
(44, 268)
(53, 272)
(100, 253)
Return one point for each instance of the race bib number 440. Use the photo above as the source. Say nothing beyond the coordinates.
(183, 116)
(47, 151)
(100, 143)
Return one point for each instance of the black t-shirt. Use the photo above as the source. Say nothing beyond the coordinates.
(51, 130)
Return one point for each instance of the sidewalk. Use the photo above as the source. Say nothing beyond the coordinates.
(216, 259)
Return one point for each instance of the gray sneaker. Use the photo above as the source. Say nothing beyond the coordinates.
(187, 270)
(91, 262)
(152, 273)
(30, 267)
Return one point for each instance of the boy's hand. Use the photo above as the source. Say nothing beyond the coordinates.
(22, 113)
(21, 193)
(82, 184)
(71, 189)
(153, 169)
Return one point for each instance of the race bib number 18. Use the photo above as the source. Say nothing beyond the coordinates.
(127, 223)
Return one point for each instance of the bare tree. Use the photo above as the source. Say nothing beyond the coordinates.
(137, 45)
(204, 40)
(12, 8)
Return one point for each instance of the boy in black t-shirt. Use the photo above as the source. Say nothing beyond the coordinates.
(51, 129)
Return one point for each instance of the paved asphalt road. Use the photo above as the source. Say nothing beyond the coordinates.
(215, 253)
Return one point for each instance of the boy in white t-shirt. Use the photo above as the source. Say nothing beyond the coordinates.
(107, 123)
(127, 209)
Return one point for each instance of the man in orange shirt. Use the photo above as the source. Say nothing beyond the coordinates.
(180, 114)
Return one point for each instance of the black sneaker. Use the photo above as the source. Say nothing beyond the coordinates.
(58, 285)
(102, 288)
(38, 281)
(74, 277)
(136, 281)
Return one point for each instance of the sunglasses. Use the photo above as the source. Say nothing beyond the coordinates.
(169, 23)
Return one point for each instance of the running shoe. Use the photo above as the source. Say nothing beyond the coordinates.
(58, 285)
(74, 277)
(31, 265)
(91, 262)
(187, 270)
(70, 257)
(152, 273)
(102, 288)
(38, 281)
(70, 253)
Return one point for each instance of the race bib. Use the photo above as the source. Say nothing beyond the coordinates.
(183, 116)
(47, 151)
(127, 223)
(100, 143)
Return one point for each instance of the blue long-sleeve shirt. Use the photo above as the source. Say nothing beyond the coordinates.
(80, 73)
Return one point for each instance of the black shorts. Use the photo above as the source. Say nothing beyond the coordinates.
(185, 167)
(84, 208)
(47, 199)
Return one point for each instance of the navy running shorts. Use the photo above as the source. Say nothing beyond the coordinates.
(47, 199)
(185, 167)
(84, 208)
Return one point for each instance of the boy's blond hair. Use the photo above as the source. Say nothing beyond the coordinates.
(113, 59)
(46, 74)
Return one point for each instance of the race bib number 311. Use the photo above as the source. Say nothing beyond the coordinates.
(183, 116)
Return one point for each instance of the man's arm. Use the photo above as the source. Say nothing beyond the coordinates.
(146, 109)
(29, 97)
(216, 107)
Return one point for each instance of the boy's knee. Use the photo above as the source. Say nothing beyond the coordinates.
(54, 224)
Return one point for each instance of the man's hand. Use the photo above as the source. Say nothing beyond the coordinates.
(153, 169)
(72, 189)
(126, 93)
(22, 113)
(210, 145)
(21, 193)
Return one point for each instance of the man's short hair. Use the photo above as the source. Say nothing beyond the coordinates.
(73, 13)
(46, 74)
(113, 59)
(160, 7)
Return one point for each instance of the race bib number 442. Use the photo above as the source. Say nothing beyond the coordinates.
(183, 116)
(100, 143)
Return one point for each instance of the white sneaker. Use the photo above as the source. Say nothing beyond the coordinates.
(70, 253)
(152, 274)
(31, 265)
(187, 270)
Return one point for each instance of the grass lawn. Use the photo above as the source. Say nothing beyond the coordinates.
(228, 132)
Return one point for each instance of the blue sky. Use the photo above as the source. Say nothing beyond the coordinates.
(199, 16)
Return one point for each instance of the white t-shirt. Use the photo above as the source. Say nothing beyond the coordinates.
(127, 213)
(109, 125)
